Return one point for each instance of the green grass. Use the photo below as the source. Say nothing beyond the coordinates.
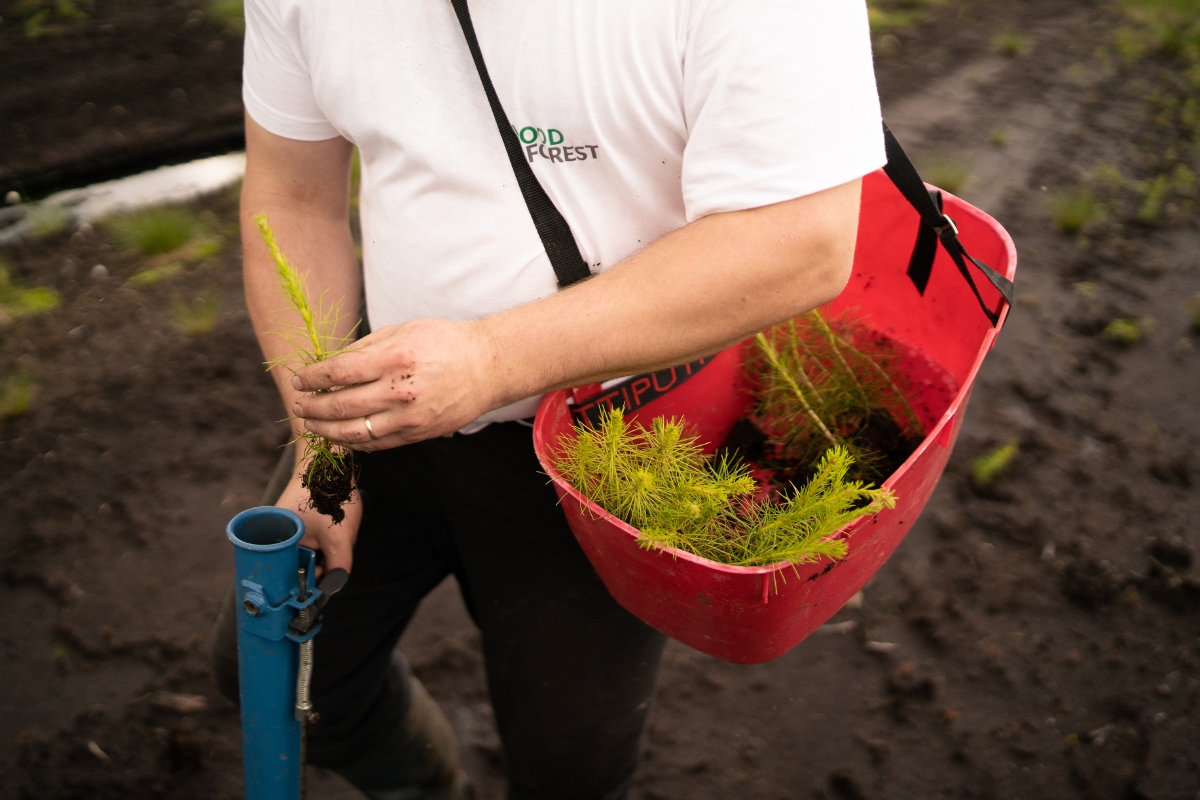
(227, 14)
(196, 318)
(1152, 204)
(946, 173)
(1192, 306)
(1166, 27)
(20, 301)
(991, 465)
(889, 16)
(1123, 332)
(16, 396)
(153, 231)
(152, 275)
(1010, 43)
(1073, 211)
(47, 220)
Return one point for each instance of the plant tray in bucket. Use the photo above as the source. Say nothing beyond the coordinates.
(753, 614)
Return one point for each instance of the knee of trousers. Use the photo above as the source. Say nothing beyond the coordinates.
(350, 725)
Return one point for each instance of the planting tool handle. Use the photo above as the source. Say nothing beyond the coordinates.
(330, 585)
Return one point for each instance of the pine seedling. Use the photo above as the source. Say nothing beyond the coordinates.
(659, 481)
(822, 388)
(329, 473)
(1123, 332)
(991, 465)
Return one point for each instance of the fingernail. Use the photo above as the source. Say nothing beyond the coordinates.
(297, 384)
(297, 411)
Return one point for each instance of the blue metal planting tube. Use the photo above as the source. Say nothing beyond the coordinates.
(267, 559)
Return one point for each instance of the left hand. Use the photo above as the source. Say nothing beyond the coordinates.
(415, 381)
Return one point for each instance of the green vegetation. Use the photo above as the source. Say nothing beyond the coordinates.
(822, 387)
(1010, 43)
(1123, 332)
(887, 16)
(152, 275)
(153, 231)
(1192, 306)
(48, 17)
(19, 301)
(1169, 28)
(226, 14)
(947, 173)
(659, 482)
(990, 466)
(328, 475)
(16, 396)
(1152, 204)
(46, 220)
(998, 137)
(1073, 211)
(197, 318)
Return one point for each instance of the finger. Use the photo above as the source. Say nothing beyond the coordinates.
(355, 402)
(344, 369)
(393, 426)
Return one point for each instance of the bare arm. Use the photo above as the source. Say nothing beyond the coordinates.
(304, 189)
(705, 286)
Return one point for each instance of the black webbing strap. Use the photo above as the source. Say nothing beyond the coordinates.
(936, 226)
(557, 238)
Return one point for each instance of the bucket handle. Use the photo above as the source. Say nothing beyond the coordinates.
(936, 226)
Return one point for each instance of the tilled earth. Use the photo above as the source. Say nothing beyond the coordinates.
(1035, 638)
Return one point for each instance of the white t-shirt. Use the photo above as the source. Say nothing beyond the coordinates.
(638, 116)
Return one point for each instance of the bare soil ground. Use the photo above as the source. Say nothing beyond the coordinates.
(96, 89)
(1036, 638)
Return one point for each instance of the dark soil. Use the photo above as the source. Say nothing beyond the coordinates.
(329, 487)
(121, 87)
(1037, 638)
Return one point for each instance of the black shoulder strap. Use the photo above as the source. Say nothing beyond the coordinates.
(936, 226)
(557, 238)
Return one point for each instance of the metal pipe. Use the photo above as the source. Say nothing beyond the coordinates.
(267, 560)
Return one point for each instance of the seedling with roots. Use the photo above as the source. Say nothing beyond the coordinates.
(825, 385)
(659, 481)
(329, 470)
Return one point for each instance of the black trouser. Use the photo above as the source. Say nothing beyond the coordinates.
(571, 673)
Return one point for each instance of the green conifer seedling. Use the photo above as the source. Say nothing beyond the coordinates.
(659, 481)
(329, 473)
(823, 387)
(991, 465)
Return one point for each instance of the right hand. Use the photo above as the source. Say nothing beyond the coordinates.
(335, 542)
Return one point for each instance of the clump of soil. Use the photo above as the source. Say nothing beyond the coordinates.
(330, 485)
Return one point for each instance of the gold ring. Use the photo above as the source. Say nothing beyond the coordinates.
(370, 430)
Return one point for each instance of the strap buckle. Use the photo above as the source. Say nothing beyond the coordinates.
(948, 225)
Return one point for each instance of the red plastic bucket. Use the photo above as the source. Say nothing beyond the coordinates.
(753, 614)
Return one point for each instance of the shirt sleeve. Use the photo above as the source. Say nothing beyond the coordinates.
(779, 99)
(276, 86)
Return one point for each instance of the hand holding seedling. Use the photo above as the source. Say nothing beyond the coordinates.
(335, 541)
(414, 381)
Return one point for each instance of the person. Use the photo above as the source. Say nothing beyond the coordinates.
(706, 155)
